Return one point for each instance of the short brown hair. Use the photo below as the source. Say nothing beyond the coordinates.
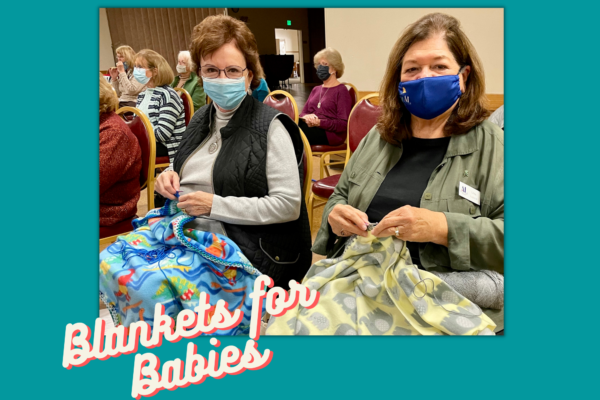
(217, 30)
(128, 54)
(109, 102)
(394, 121)
(162, 74)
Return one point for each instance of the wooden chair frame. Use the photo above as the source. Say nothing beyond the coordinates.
(286, 94)
(310, 204)
(149, 184)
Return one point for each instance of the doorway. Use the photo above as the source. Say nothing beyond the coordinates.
(289, 41)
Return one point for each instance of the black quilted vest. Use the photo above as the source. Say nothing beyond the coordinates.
(281, 251)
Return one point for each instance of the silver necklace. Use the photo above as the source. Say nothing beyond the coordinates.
(321, 93)
(215, 145)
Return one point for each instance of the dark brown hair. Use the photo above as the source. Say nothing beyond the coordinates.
(217, 30)
(394, 121)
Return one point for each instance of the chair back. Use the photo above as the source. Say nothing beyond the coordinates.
(353, 92)
(285, 104)
(362, 119)
(306, 166)
(143, 131)
(188, 104)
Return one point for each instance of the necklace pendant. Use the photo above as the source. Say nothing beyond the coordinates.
(213, 147)
(319, 105)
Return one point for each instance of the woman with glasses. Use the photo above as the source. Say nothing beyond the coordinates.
(121, 77)
(239, 166)
(188, 80)
(161, 104)
(324, 118)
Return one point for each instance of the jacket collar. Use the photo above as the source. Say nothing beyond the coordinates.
(237, 118)
(463, 144)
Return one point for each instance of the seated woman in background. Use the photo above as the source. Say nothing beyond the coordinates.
(261, 91)
(324, 118)
(122, 77)
(188, 80)
(431, 172)
(120, 162)
(239, 165)
(160, 102)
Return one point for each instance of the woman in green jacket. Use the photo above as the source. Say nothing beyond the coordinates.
(188, 80)
(431, 172)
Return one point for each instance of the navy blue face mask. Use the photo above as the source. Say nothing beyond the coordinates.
(430, 97)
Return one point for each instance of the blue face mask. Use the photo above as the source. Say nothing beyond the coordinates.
(140, 75)
(125, 66)
(323, 72)
(428, 98)
(226, 93)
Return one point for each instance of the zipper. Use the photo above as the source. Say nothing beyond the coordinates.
(212, 185)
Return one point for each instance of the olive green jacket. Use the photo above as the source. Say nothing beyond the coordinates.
(194, 88)
(475, 232)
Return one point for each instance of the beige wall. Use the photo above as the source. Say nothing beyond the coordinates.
(365, 37)
(107, 59)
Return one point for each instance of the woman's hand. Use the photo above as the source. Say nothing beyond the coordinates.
(113, 73)
(414, 225)
(346, 220)
(167, 184)
(311, 120)
(120, 67)
(197, 203)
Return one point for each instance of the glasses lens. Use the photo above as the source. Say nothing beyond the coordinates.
(234, 72)
(210, 72)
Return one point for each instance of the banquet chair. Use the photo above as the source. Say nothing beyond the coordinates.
(286, 104)
(362, 119)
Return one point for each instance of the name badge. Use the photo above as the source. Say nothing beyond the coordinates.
(469, 193)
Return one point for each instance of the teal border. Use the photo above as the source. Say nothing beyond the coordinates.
(49, 253)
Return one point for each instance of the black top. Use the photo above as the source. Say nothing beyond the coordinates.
(407, 180)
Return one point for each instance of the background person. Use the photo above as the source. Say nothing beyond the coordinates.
(324, 118)
(120, 162)
(122, 77)
(161, 104)
(187, 79)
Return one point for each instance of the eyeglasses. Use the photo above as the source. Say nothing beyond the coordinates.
(232, 72)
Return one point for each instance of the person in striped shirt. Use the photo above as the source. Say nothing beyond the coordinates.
(159, 102)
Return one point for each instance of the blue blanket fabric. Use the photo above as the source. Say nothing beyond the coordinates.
(160, 262)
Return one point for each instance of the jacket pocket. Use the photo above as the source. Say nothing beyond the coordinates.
(277, 254)
(464, 206)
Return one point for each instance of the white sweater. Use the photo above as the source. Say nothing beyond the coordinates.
(282, 204)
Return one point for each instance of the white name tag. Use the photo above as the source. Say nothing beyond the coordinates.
(466, 191)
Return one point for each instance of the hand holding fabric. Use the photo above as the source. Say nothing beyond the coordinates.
(113, 73)
(414, 224)
(167, 184)
(349, 220)
(197, 203)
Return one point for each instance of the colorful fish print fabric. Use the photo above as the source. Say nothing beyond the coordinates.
(373, 289)
(160, 262)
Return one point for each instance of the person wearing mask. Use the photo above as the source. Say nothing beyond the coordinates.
(159, 102)
(122, 79)
(324, 118)
(120, 162)
(239, 166)
(261, 91)
(187, 79)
